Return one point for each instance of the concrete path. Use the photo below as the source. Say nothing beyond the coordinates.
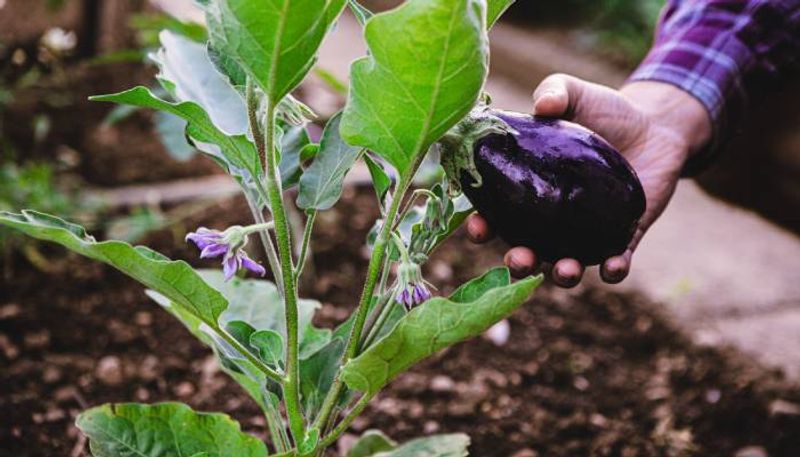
(725, 274)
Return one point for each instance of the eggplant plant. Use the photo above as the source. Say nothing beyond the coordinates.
(426, 67)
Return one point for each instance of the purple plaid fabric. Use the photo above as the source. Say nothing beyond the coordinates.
(725, 53)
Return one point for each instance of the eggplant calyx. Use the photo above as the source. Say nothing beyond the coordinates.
(457, 146)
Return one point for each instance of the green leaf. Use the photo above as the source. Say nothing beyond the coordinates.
(189, 75)
(173, 279)
(294, 140)
(427, 64)
(229, 68)
(462, 208)
(164, 430)
(455, 445)
(309, 441)
(234, 153)
(316, 375)
(435, 325)
(321, 184)
(371, 443)
(275, 42)
(380, 179)
(474, 289)
(495, 9)
(269, 345)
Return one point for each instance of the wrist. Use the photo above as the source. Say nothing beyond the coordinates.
(673, 110)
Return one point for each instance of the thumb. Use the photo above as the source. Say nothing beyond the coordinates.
(556, 96)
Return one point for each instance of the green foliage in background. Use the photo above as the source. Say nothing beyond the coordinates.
(623, 27)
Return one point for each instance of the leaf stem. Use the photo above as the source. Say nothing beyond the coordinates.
(291, 385)
(384, 311)
(301, 259)
(358, 408)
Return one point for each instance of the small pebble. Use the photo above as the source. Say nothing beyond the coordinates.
(525, 453)
(51, 375)
(713, 395)
(581, 383)
(784, 408)
(10, 310)
(109, 371)
(144, 319)
(499, 333)
(442, 383)
(751, 451)
(37, 340)
(431, 427)
(184, 389)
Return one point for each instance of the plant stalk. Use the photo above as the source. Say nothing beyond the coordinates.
(291, 385)
(258, 214)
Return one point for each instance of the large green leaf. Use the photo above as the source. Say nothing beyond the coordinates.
(435, 325)
(275, 41)
(173, 279)
(164, 430)
(321, 183)
(427, 64)
(235, 153)
(454, 445)
(495, 9)
(189, 75)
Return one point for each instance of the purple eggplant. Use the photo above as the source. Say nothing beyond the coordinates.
(555, 187)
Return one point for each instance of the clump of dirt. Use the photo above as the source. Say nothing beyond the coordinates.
(583, 373)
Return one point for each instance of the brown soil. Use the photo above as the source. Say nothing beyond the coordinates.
(587, 373)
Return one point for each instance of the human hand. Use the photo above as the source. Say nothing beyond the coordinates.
(655, 125)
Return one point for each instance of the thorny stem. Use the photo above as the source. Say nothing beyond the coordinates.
(291, 381)
(258, 214)
(301, 259)
(373, 270)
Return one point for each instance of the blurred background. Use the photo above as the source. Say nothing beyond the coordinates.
(698, 353)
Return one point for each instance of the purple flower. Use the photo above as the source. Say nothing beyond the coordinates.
(229, 245)
(413, 295)
(411, 289)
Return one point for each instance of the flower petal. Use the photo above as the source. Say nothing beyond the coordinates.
(213, 250)
(251, 265)
(229, 266)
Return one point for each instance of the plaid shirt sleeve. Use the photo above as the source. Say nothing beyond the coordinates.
(725, 53)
